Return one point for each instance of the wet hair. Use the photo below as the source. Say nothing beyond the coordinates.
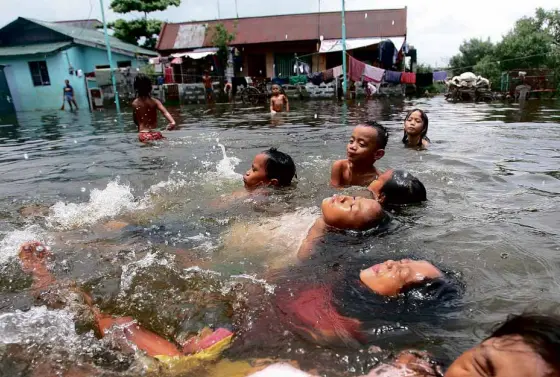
(403, 188)
(540, 332)
(382, 133)
(142, 85)
(424, 134)
(415, 302)
(280, 166)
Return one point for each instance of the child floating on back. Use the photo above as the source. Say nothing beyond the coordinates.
(278, 100)
(367, 145)
(416, 129)
(145, 111)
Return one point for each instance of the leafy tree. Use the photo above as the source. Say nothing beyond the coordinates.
(487, 67)
(470, 53)
(144, 29)
(221, 39)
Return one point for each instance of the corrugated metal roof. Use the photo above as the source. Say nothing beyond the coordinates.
(93, 37)
(294, 27)
(33, 49)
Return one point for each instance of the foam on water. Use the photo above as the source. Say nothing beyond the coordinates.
(39, 325)
(226, 166)
(115, 199)
(130, 270)
(9, 246)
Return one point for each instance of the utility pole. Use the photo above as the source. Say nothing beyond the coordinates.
(219, 16)
(111, 66)
(344, 76)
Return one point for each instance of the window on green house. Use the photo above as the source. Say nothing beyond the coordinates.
(124, 64)
(39, 73)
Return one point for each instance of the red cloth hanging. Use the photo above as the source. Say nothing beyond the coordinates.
(169, 75)
(408, 78)
(356, 69)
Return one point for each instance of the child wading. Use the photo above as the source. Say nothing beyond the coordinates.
(145, 111)
(367, 145)
(68, 96)
(416, 129)
(278, 100)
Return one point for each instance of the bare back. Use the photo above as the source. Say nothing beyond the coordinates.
(343, 173)
(145, 113)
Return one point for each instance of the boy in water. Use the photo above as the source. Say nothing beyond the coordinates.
(367, 145)
(145, 111)
(208, 88)
(278, 100)
(270, 168)
(68, 96)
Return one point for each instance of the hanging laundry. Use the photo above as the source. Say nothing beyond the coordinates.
(337, 71)
(356, 69)
(440, 76)
(295, 80)
(408, 78)
(316, 78)
(301, 68)
(374, 74)
(387, 54)
(393, 77)
(328, 75)
(423, 80)
(169, 75)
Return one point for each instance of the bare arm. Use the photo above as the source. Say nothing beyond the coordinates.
(287, 103)
(315, 233)
(166, 114)
(336, 173)
(271, 105)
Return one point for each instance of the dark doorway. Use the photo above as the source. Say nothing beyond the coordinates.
(256, 65)
(6, 102)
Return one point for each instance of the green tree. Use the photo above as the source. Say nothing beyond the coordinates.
(487, 67)
(471, 52)
(142, 32)
(221, 39)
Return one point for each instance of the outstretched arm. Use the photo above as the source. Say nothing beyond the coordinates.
(166, 115)
(316, 232)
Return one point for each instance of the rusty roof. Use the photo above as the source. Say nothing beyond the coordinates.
(287, 28)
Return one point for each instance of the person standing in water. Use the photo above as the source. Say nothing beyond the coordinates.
(208, 88)
(145, 111)
(278, 100)
(416, 129)
(68, 96)
(366, 146)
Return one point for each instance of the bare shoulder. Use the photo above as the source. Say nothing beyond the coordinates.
(136, 102)
(425, 143)
(340, 164)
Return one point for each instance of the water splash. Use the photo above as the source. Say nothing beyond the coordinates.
(130, 270)
(226, 166)
(115, 199)
(9, 246)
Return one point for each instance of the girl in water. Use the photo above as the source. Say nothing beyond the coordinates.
(416, 129)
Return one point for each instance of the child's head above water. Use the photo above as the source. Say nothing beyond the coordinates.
(524, 345)
(143, 85)
(415, 124)
(398, 187)
(275, 89)
(351, 212)
(367, 143)
(270, 168)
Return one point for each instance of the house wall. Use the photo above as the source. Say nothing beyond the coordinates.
(30, 97)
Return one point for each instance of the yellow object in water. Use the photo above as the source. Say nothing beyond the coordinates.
(183, 364)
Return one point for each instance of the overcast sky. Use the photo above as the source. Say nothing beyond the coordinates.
(435, 27)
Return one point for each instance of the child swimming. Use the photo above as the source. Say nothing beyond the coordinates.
(145, 110)
(278, 100)
(526, 345)
(270, 168)
(416, 129)
(366, 146)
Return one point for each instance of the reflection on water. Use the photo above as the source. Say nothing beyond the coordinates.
(187, 255)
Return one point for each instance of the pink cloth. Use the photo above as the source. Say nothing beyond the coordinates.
(408, 78)
(374, 74)
(356, 69)
(337, 71)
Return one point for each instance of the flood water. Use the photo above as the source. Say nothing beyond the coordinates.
(192, 256)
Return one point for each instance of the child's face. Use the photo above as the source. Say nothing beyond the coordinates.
(349, 212)
(505, 356)
(362, 147)
(256, 176)
(376, 187)
(414, 125)
(275, 90)
(390, 277)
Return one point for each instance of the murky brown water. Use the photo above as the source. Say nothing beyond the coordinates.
(494, 193)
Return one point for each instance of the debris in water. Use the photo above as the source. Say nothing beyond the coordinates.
(26, 156)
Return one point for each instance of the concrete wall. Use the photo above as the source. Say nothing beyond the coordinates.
(28, 97)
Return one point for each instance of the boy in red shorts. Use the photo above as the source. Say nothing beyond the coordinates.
(145, 111)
